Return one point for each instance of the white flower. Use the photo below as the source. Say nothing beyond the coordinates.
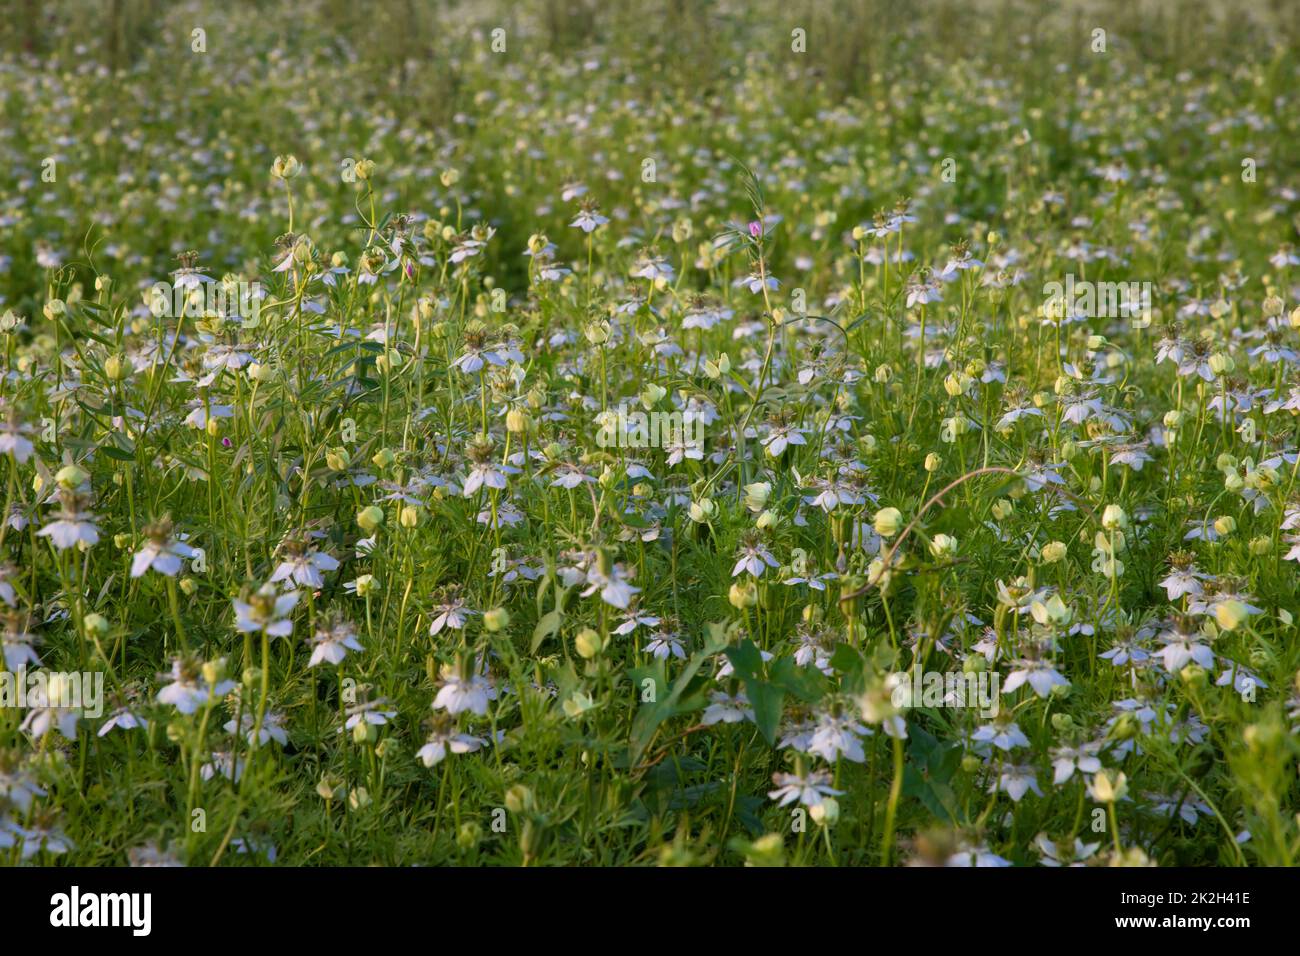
(1055, 855)
(588, 220)
(441, 741)
(266, 611)
(331, 645)
(726, 709)
(73, 526)
(305, 568)
(664, 644)
(1039, 674)
(483, 473)
(14, 440)
(755, 559)
(19, 647)
(809, 789)
(1066, 760)
(452, 614)
(47, 701)
(836, 736)
(1182, 648)
(1182, 581)
(161, 552)
(1003, 736)
(459, 694)
(272, 728)
(188, 690)
(1016, 780)
(123, 719)
(615, 588)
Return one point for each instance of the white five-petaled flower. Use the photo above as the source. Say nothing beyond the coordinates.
(330, 645)
(809, 788)
(452, 614)
(1039, 674)
(444, 740)
(161, 552)
(1083, 758)
(1016, 780)
(188, 690)
(755, 559)
(14, 440)
(460, 693)
(483, 473)
(663, 644)
(727, 709)
(74, 524)
(266, 610)
(838, 735)
(304, 568)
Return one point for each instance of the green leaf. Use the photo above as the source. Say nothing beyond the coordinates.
(746, 660)
(118, 454)
(681, 699)
(546, 627)
(766, 699)
(806, 683)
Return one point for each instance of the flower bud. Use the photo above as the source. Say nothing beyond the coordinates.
(286, 167)
(517, 421)
(756, 495)
(469, 835)
(1109, 786)
(519, 799)
(1113, 518)
(588, 644)
(214, 672)
(1054, 551)
(70, 477)
(365, 732)
(1231, 614)
(116, 369)
(888, 522)
(826, 813)
(370, 518)
(743, 594)
(942, 545)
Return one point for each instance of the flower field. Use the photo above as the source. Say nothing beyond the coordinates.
(607, 434)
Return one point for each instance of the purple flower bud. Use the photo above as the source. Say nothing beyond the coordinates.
(755, 228)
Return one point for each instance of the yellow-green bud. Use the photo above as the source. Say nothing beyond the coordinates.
(588, 644)
(370, 518)
(888, 522)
